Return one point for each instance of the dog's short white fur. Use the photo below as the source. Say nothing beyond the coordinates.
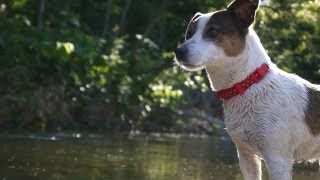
(270, 120)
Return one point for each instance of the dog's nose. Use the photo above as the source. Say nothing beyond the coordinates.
(181, 53)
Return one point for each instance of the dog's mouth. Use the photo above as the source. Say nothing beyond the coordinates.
(188, 66)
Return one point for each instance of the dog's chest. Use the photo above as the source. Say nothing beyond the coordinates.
(248, 138)
(245, 125)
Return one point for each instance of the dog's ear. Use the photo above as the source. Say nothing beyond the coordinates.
(198, 14)
(244, 11)
(191, 28)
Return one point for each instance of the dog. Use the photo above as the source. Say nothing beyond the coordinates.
(270, 114)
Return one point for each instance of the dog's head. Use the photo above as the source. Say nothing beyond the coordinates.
(214, 37)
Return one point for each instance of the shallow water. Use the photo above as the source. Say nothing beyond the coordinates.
(79, 156)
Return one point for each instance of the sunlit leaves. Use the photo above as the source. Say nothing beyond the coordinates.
(2, 7)
(19, 3)
(67, 46)
(290, 32)
(165, 94)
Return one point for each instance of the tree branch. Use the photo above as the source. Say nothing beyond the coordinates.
(42, 4)
(156, 18)
(124, 17)
(107, 17)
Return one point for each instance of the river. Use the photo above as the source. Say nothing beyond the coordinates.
(124, 157)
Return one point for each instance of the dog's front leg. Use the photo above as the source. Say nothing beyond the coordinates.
(250, 165)
(279, 167)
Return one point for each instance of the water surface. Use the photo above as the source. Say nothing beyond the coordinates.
(79, 156)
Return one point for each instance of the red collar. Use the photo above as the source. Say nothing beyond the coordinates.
(242, 86)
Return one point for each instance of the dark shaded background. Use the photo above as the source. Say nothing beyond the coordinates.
(107, 65)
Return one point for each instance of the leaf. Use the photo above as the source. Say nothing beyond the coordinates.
(68, 47)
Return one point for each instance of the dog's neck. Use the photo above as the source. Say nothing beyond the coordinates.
(232, 70)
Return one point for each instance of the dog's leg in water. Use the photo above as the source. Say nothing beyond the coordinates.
(279, 167)
(250, 165)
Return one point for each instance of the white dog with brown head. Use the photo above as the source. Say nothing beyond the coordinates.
(269, 114)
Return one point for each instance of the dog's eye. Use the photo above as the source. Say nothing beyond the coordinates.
(212, 32)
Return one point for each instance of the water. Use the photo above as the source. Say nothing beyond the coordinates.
(78, 156)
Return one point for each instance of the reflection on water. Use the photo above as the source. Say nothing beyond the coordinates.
(76, 156)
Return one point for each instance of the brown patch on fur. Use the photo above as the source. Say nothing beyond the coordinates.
(231, 44)
(312, 113)
(224, 29)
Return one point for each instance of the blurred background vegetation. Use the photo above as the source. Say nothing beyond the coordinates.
(107, 65)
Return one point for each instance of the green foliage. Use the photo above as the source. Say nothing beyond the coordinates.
(84, 65)
(290, 31)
